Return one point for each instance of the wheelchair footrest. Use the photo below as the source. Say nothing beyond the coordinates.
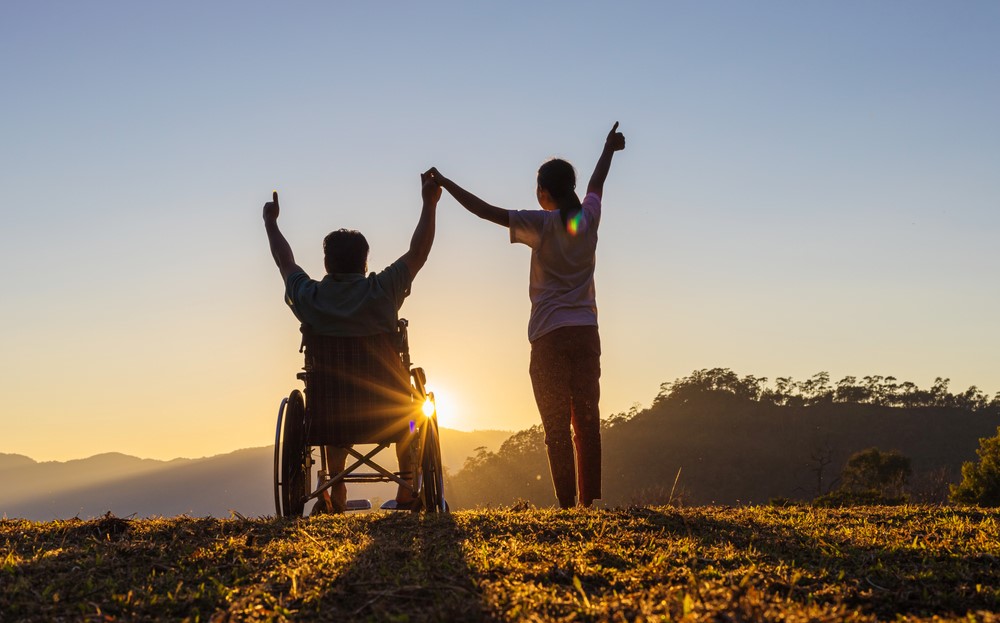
(359, 505)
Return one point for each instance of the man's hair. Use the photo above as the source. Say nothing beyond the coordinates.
(345, 251)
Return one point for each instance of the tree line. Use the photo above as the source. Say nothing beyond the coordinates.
(878, 390)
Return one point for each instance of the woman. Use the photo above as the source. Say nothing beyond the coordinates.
(565, 345)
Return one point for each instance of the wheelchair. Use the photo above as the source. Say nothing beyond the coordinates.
(358, 391)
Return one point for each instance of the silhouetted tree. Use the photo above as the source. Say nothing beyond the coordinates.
(720, 380)
(940, 396)
(849, 391)
(981, 479)
(972, 399)
(817, 389)
(481, 456)
(873, 389)
(909, 395)
(518, 470)
(617, 419)
(528, 441)
(821, 457)
(875, 471)
(870, 477)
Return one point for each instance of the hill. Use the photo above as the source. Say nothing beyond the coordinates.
(730, 451)
(725, 440)
(635, 564)
(240, 481)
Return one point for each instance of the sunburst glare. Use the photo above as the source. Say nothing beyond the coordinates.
(447, 413)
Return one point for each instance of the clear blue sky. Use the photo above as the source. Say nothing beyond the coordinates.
(806, 187)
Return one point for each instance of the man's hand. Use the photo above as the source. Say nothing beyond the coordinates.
(615, 140)
(271, 208)
(435, 175)
(430, 189)
(280, 250)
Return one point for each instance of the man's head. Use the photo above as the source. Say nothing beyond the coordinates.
(345, 251)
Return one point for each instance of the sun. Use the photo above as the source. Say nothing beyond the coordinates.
(447, 410)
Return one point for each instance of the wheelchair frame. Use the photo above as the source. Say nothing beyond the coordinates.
(293, 456)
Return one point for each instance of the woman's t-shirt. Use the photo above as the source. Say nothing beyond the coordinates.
(561, 283)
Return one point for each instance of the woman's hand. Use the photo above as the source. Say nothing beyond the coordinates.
(615, 140)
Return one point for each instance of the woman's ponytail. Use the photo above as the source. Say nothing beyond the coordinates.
(558, 178)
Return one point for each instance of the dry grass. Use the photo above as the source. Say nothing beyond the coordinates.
(659, 563)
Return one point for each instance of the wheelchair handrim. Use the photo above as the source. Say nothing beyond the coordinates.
(277, 458)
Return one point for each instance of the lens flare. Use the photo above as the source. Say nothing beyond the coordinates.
(573, 223)
(429, 407)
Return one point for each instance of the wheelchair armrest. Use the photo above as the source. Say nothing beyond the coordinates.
(419, 381)
(419, 376)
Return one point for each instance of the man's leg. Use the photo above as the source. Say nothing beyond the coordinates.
(405, 454)
(550, 385)
(336, 462)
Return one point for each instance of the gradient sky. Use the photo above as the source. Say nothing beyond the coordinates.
(806, 187)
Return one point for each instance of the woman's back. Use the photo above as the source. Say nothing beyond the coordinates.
(563, 258)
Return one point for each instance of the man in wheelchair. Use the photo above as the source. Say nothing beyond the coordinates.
(349, 308)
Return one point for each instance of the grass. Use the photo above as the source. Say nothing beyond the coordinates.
(649, 563)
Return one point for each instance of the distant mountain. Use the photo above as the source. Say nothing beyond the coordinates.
(9, 461)
(240, 481)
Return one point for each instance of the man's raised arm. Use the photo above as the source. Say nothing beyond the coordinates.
(281, 251)
(423, 235)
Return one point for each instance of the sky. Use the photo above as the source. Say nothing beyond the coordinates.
(806, 187)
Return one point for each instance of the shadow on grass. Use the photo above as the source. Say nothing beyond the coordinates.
(412, 569)
(906, 569)
(112, 568)
(381, 567)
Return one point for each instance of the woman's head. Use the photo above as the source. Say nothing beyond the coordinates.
(557, 188)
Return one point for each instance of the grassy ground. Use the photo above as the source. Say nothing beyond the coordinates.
(724, 564)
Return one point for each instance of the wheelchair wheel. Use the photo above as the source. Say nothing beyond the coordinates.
(432, 473)
(277, 458)
(294, 469)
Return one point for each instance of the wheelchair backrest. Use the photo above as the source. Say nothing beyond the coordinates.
(357, 388)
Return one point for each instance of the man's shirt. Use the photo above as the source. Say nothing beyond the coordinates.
(350, 304)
